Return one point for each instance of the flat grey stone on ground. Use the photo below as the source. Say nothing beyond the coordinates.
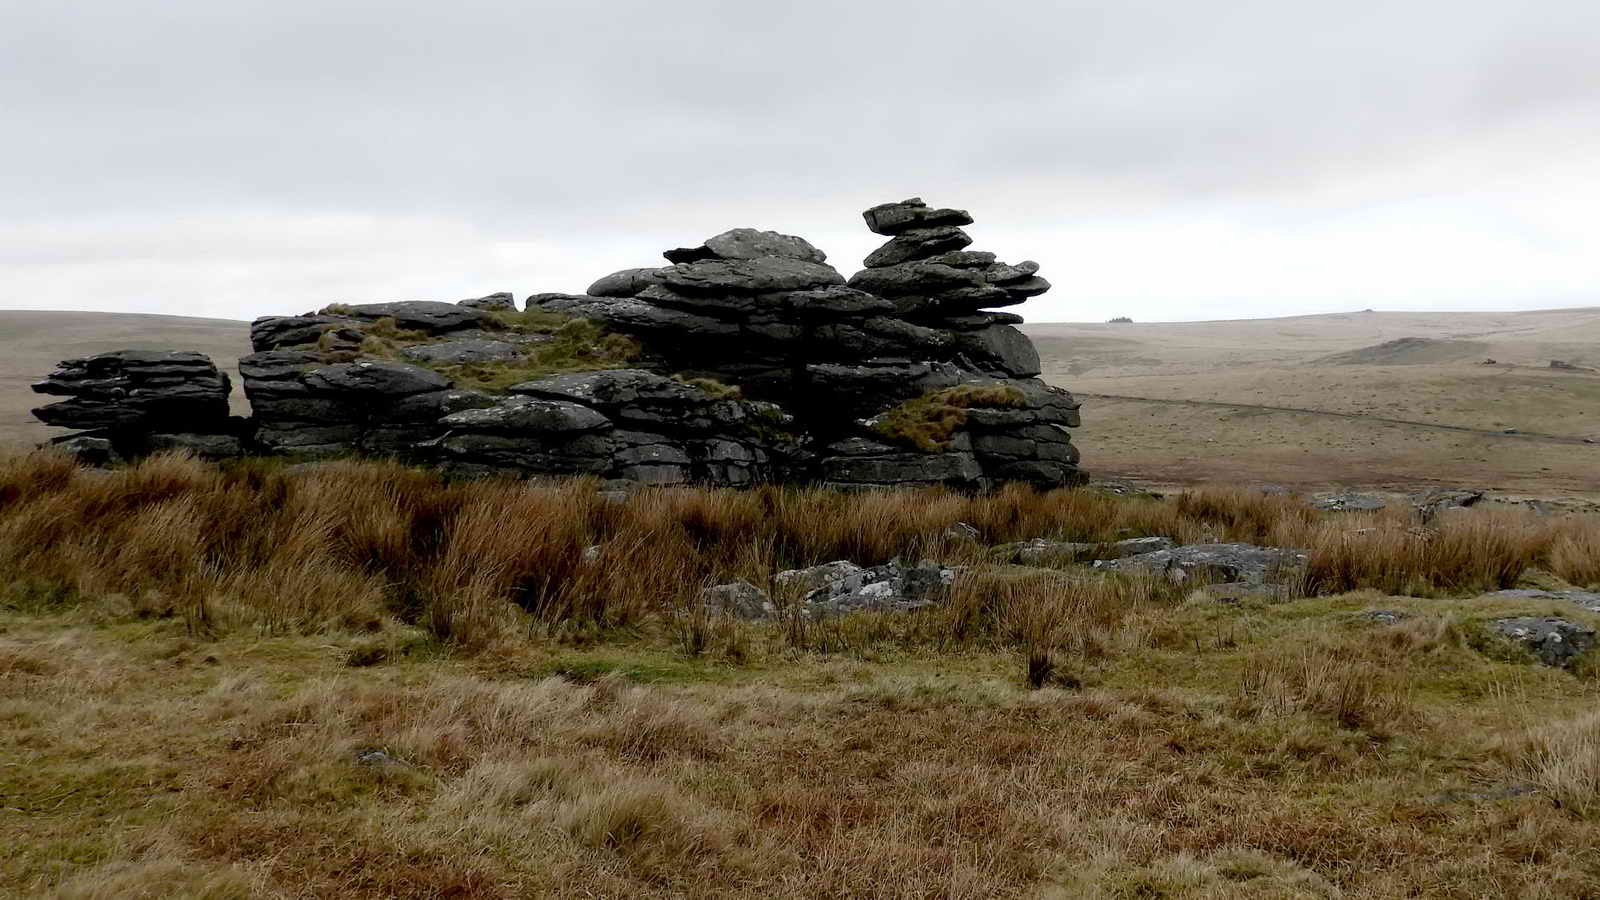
(1041, 550)
(1553, 641)
(739, 599)
(1349, 502)
(1384, 616)
(1589, 600)
(1243, 563)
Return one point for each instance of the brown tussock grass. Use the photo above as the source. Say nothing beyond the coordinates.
(350, 545)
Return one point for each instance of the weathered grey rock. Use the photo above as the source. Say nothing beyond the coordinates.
(918, 243)
(739, 599)
(757, 310)
(952, 468)
(432, 316)
(999, 348)
(275, 332)
(1003, 274)
(1026, 288)
(431, 406)
(497, 302)
(836, 300)
(881, 336)
(1349, 502)
(627, 283)
(965, 259)
(888, 588)
(814, 577)
(749, 276)
(1588, 600)
(661, 403)
(91, 448)
(527, 416)
(749, 243)
(143, 390)
(1237, 562)
(921, 278)
(205, 446)
(374, 378)
(459, 352)
(1552, 641)
(1385, 616)
(979, 320)
(893, 218)
(1040, 550)
(630, 315)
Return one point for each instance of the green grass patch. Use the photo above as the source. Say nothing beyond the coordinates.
(578, 345)
(929, 422)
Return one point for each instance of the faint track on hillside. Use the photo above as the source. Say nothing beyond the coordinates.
(1487, 432)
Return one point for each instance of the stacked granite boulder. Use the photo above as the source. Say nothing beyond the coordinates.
(623, 423)
(132, 402)
(764, 311)
(748, 359)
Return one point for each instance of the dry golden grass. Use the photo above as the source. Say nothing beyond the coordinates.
(359, 680)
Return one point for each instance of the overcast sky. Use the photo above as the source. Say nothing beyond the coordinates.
(1180, 159)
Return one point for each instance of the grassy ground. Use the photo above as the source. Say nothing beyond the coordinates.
(438, 703)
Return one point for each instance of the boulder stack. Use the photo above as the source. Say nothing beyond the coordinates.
(131, 401)
(764, 311)
(746, 359)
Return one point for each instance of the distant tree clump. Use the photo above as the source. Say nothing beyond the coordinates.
(1120, 320)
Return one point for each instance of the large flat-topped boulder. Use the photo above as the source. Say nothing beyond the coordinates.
(432, 316)
(749, 243)
(749, 276)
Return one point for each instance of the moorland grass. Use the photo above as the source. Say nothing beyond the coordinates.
(362, 680)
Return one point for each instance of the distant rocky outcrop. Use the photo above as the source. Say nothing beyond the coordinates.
(748, 359)
(132, 402)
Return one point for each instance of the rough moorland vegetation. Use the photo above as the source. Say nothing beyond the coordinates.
(363, 680)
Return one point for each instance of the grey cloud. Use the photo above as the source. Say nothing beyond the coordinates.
(577, 120)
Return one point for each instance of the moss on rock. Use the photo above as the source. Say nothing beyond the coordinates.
(929, 422)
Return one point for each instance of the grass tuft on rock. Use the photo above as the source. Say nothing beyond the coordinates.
(577, 345)
(929, 422)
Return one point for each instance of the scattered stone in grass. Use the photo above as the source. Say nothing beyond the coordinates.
(1589, 600)
(843, 587)
(739, 599)
(961, 531)
(1349, 502)
(1489, 795)
(380, 760)
(1242, 563)
(1385, 616)
(1553, 641)
(1041, 550)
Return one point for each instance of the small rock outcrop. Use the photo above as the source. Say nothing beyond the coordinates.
(748, 359)
(837, 588)
(131, 402)
(1552, 641)
(1243, 564)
